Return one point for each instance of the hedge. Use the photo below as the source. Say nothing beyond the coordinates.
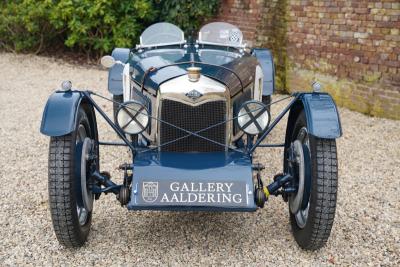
(93, 27)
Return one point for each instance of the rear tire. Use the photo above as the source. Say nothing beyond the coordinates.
(71, 224)
(312, 231)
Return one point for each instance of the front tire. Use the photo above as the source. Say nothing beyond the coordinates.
(312, 224)
(71, 221)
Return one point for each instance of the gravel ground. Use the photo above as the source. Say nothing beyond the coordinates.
(366, 229)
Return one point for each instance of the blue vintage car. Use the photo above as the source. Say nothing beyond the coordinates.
(192, 114)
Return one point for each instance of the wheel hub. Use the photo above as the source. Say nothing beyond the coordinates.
(300, 169)
(295, 200)
(87, 196)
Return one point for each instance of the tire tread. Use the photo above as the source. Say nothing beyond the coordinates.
(61, 195)
(326, 188)
(324, 170)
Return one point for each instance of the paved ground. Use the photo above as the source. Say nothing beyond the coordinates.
(366, 229)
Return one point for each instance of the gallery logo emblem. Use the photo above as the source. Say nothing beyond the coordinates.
(150, 191)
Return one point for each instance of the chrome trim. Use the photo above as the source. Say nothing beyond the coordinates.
(209, 98)
(182, 85)
(258, 83)
(126, 83)
(176, 89)
(211, 90)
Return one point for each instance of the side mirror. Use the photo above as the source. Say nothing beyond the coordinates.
(107, 61)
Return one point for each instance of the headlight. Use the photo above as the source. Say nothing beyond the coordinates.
(132, 117)
(253, 117)
(107, 61)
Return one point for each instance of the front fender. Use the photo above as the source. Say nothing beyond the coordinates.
(60, 112)
(322, 116)
(323, 119)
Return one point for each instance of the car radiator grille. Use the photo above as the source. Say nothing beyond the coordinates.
(192, 118)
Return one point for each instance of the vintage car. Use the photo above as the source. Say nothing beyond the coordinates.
(192, 114)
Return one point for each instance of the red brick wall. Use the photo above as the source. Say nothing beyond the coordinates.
(353, 37)
(356, 41)
(243, 13)
(353, 46)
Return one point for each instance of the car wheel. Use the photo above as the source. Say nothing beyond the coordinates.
(312, 220)
(117, 100)
(70, 199)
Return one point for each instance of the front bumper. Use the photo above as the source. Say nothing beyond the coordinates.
(217, 181)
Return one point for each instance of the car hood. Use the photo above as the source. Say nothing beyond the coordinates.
(224, 66)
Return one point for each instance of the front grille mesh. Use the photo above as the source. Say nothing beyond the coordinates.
(192, 118)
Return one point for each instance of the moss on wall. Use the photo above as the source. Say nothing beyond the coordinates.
(302, 54)
(353, 95)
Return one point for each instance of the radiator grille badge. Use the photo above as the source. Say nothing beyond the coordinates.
(194, 95)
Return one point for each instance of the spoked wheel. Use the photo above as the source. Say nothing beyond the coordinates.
(313, 163)
(71, 201)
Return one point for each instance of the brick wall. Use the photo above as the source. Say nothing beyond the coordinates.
(352, 47)
(243, 13)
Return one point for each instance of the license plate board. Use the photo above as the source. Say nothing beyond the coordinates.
(169, 192)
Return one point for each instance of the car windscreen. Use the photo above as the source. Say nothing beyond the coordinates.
(161, 34)
(221, 33)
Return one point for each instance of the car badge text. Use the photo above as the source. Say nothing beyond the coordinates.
(194, 95)
(176, 192)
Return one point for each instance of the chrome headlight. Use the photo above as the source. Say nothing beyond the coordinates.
(132, 117)
(253, 117)
(107, 61)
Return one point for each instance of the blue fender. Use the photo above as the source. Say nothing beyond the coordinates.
(322, 116)
(264, 57)
(115, 73)
(323, 119)
(59, 115)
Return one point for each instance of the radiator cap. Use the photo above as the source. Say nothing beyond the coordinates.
(194, 73)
